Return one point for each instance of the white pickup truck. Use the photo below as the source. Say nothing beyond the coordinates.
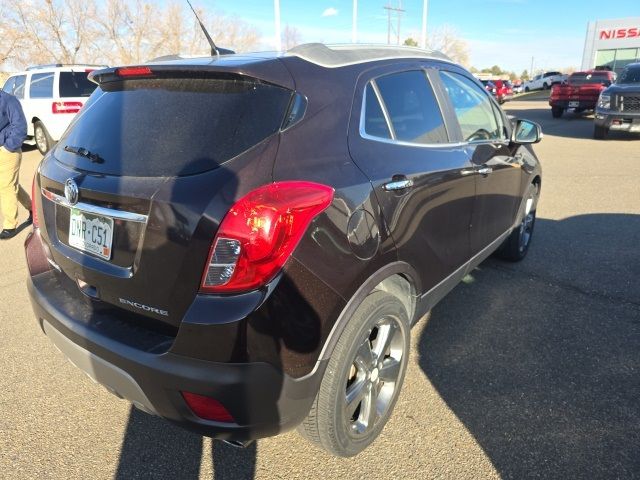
(544, 81)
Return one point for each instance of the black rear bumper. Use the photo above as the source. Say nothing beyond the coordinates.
(261, 398)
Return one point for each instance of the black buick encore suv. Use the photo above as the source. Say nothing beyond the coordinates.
(241, 244)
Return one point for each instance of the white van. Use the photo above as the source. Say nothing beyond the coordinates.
(50, 95)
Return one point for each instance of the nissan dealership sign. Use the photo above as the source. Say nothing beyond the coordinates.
(613, 33)
(616, 34)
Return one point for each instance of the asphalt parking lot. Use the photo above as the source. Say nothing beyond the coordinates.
(528, 370)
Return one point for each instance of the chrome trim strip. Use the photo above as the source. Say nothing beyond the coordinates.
(383, 107)
(94, 209)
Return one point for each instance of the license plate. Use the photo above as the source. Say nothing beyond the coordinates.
(91, 233)
(574, 104)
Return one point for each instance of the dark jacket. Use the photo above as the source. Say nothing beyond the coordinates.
(13, 125)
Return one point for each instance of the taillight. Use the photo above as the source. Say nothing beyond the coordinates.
(133, 72)
(66, 107)
(259, 233)
(207, 407)
(34, 191)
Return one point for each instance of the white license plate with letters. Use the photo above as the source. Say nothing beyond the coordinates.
(574, 104)
(91, 233)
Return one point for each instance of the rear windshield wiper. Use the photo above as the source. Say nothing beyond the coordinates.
(83, 152)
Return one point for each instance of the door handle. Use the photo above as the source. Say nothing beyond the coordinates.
(481, 171)
(398, 183)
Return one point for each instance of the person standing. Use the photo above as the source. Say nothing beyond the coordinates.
(13, 131)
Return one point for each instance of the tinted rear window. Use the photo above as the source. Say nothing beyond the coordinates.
(584, 78)
(630, 75)
(75, 84)
(169, 127)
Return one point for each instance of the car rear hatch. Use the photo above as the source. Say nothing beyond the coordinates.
(133, 193)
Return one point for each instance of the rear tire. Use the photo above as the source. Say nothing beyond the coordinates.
(516, 245)
(363, 378)
(545, 86)
(600, 133)
(556, 112)
(42, 137)
(526, 89)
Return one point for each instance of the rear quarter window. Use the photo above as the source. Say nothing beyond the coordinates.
(75, 84)
(173, 126)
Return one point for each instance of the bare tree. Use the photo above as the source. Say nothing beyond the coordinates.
(447, 40)
(291, 37)
(111, 31)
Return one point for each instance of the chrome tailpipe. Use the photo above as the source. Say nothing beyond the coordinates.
(238, 443)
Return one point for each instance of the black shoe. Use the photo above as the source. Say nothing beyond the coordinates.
(8, 233)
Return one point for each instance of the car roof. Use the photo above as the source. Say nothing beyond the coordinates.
(58, 67)
(328, 56)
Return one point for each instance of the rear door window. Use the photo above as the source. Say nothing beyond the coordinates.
(41, 85)
(173, 126)
(473, 108)
(411, 108)
(75, 84)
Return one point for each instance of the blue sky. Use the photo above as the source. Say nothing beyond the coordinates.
(503, 32)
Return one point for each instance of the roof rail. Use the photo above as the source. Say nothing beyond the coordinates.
(340, 55)
(55, 65)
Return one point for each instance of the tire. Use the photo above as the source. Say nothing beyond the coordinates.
(545, 86)
(556, 112)
(526, 89)
(356, 369)
(42, 137)
(516, 246)
(600, 133)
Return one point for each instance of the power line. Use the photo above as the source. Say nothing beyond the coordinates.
(398, 11)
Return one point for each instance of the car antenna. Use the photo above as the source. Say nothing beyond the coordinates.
(214, 49)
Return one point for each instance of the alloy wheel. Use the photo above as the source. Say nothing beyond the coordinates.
(373, 376)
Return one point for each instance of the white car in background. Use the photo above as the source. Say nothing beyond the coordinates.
(50, 95)
(544, 81)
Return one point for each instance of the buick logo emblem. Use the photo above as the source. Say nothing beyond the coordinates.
(71, 191)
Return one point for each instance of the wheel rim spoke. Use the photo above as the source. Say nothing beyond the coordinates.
(385, 336)
(355, 394)
(368, 411)
(390, 370)
(364, 357)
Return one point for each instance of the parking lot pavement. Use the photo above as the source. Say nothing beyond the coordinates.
(526, 370)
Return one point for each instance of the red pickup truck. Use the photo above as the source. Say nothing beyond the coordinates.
(580, 91)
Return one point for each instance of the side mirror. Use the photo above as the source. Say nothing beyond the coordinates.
(525, 131)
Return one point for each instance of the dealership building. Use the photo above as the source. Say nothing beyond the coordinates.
(612, 43)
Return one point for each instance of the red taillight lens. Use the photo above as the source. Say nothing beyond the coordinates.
(207, 407)
(133, 72)
(34, 192)
(260, 232)
(66, 107)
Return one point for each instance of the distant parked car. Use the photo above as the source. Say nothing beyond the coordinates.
(518, 87)
(580, 92)
(51, 95)
(544, 81)
(490, 87)
(504, 92)
(618, 106)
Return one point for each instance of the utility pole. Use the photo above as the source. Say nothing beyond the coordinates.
(398, 11)
(531, 71)
(276, 11)
(354, 26)
(423, 35)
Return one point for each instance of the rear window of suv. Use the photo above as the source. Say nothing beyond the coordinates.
(585, 78)
(173, 126)
(75, 84)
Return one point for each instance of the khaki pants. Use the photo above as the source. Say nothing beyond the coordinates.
(10, 190)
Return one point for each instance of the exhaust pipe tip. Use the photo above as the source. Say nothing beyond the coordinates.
(238, 443)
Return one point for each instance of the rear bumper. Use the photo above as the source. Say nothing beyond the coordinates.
(626, 122)
(261, 398)
(582, 104)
